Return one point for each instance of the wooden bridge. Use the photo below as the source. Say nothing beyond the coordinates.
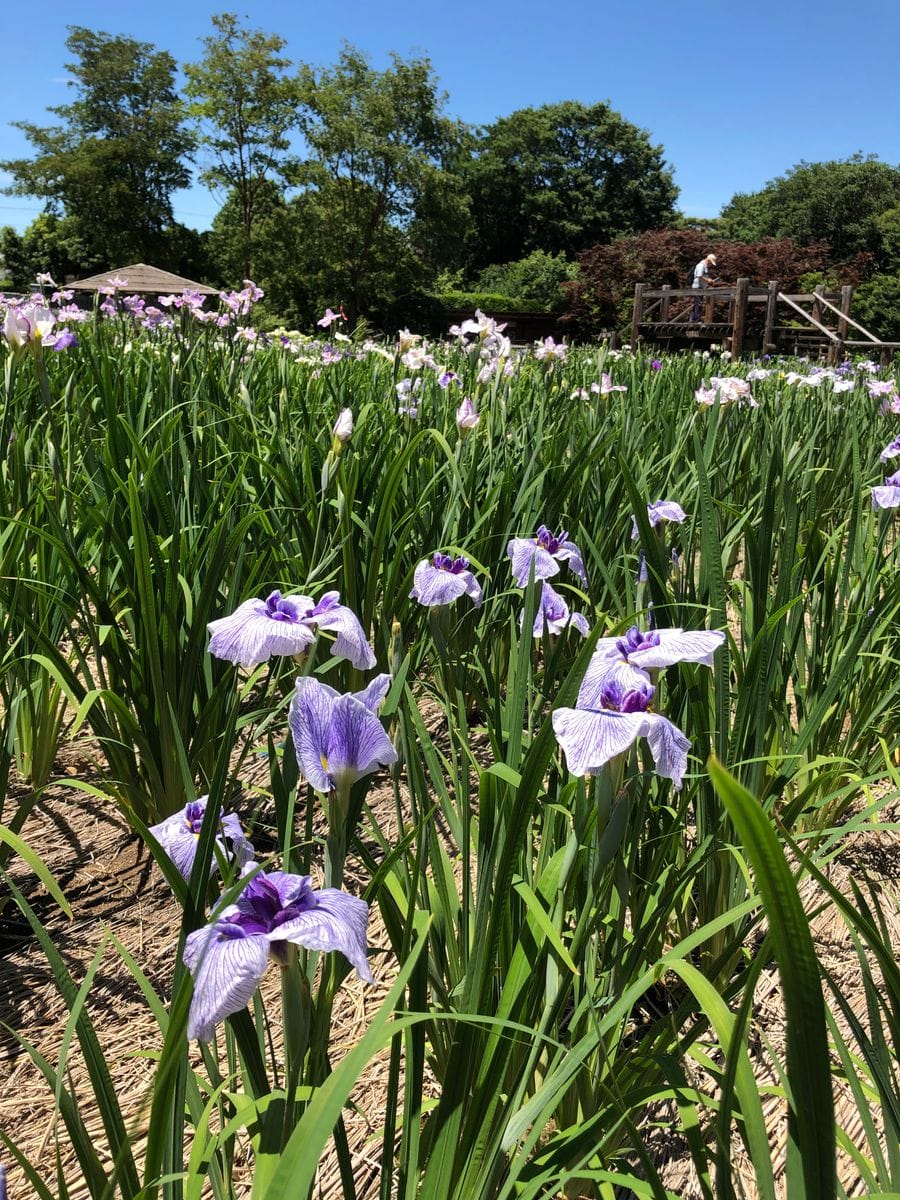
(763, 319)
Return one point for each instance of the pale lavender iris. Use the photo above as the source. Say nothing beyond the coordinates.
(629, 658)
(657, 512)
(179, 834)
(546, 550)
(592, 736)
(228, 957)
(339, 738)
(65, 340)
(257, 629)
(444, 580)
(888, 494)
(554, 613)
(892, 450)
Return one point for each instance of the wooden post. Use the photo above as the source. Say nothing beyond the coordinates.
(837, 349)
(664, 303)
(738, 329)
(637, 314)
(817, 307)
(846, 298)
(771, 307)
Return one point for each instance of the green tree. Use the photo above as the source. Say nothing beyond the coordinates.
(377, 181)
(245, 104)
(50, 243)
(111, 166)
(836, 202)
(562, 178)
(540, 277)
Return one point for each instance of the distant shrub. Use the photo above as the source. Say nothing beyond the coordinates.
(539, 278)
(877, 306)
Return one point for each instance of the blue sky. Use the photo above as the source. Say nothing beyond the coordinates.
(734, 93)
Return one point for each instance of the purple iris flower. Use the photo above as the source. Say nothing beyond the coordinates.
(339, 738)
(629, 658)
(257, 629)
(544, 549)
(658, 511)
(554, 612)
(178, 835)
(66, 340)
(228, 957)
(591, 736)
(888, 495)
(892, 450)
(444, 580)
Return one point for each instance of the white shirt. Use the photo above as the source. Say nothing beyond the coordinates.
(700, 272)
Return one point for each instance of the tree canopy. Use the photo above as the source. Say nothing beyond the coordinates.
(378, 146)
(245, 104)
(836, 202)
(564, 177)
(111, 165)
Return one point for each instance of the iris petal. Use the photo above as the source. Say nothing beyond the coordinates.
(226, 973)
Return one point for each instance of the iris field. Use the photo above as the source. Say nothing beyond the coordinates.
(586, 660)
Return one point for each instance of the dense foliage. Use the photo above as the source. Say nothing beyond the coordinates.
(111, 166)
(561, 178)
(834, 202)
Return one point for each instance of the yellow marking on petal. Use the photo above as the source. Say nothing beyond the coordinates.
(324, 762)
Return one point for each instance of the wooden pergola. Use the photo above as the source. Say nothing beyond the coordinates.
(141, 279)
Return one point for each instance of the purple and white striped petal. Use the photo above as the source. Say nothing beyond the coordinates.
(337, 922)
(592, 739)
(338, 739)
(886, 496)
(606, 669)
(678, 645)
(309, 718)
(227, 971)
(179, 834)
(351, 642)
(433, 587)
(357, 742)
(658, 511)
(373, 695)
(178, 841)
(524, 551)
(668, 745)
(553, 612)
(569, 552)
(250, 635)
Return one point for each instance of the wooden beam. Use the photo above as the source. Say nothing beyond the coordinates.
(771, 306)
(829, 333)
(848, 320)
(740, 317)
(637, 314)
(664, 302)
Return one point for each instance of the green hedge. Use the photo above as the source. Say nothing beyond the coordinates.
(489, 302)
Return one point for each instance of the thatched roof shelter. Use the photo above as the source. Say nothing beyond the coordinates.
(141, 279)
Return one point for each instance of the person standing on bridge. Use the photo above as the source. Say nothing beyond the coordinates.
(701, 280)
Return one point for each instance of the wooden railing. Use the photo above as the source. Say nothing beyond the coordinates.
(666, 313)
